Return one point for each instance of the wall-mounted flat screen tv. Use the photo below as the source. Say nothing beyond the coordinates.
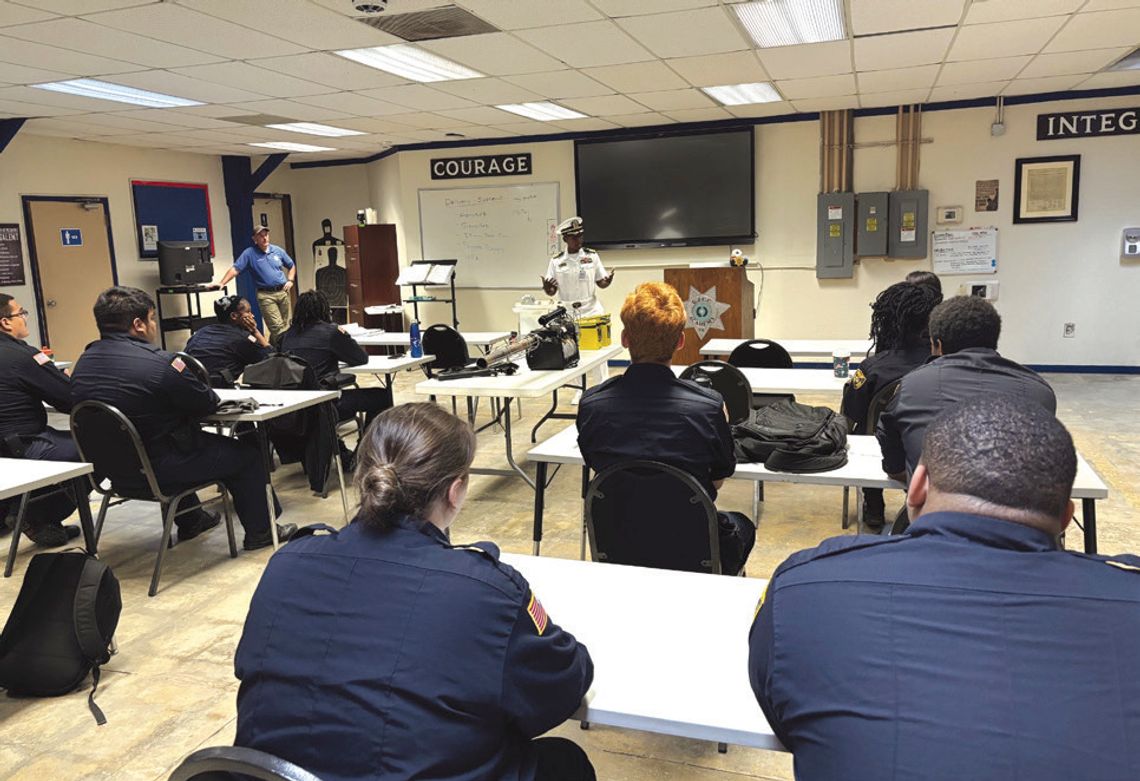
(667, 189)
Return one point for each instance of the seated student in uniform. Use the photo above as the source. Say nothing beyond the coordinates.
(964, 335)
(383, 651)
(165, 401)
(969, 647)
(928, 278)
(900, 342)
(28, 380)
(315, 339)
(226, 347)
(648, 413)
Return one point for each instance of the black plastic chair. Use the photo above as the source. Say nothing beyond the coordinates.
(875, 408)
(196, 366)
(217, 763)
(650, 514)
(729, 382)
(762, 354)
(447, 345)
(107, 439)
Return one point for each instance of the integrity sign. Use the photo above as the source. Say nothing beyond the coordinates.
(1083, 124)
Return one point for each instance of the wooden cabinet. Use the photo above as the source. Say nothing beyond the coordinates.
(372, 265)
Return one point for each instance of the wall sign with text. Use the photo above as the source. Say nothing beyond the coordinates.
(1085, 124)
(517, 164)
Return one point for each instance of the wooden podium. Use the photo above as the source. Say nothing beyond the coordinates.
(732, 288)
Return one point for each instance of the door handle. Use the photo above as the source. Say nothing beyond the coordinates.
(50, 302)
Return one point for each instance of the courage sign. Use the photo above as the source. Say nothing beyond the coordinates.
(483, 165)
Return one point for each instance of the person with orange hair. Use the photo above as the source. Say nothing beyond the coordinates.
(648, 413)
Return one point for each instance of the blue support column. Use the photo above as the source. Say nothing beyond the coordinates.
(8, 130)
(240, 186)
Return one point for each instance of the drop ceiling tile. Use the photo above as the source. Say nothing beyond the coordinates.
(976, 71)
(1099, 30)
(753, 110)
(508, 15)
(424, 120)
(1064, 63)
(185, 118)
(38, 55)
(10, 13)
(1044, 84)
(880, 16)
(589, 124)
(1005, 10)
(71, 125)
(487, 91)
(673, 99)
(807, 60)
(901, 50)
(330, 70)
(904, 97)
(920, 77)
(298, 21)
(604, 105)
(687, 33)
(257, 80)
(208, 111)
(372, 125)
(19, 108)
(170, 83)
(18, 74)
(118, 122)
(1024, 36)
(353, 103)
(495, 54)
(480, 115)
(967, 91)
(74, 7)
(287, 108)
(1108, 5)
(819, 87)
(714, 69)
(477, 133)
(1108, 80)
(646, 119)
(587, 44)
(83, 36)
(529, 128)
(698, 114)
(162, 140)
(177, 24)
(560, 84)
(837, 103)
(639, 7)
(419, 97)
(637, 77)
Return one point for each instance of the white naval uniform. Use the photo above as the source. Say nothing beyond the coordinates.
(577, 276)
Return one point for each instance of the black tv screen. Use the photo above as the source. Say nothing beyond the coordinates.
(667, 190)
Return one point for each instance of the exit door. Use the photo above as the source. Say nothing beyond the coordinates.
(72, 263)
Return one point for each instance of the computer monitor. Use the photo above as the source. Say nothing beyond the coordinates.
(185, 263)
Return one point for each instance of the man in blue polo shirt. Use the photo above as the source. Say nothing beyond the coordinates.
(273, 272)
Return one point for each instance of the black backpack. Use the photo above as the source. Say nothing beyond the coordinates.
(787, 436)
(61, 627)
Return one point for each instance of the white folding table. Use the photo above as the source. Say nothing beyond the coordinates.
(274, 404)
(21, 476)
(670, 649)
(481, 339)
(386, 367)
(821, 349)
(789, 380)
(524, 384)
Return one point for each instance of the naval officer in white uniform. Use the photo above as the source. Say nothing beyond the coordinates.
(575, 275)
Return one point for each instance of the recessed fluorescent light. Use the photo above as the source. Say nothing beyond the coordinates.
(543, 111)
(411, 63)
(787, 22)
(92, 88)
(742, 94)
(313, 129)
(1128, 62)
(289, 146)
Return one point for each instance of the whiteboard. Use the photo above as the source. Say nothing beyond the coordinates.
(502, 236)
(970, 251)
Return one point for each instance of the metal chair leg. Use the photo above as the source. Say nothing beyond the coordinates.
(103, 505)
(846, 499)
(229, 522)
(340, 481)
(168, 512)
(16, 529)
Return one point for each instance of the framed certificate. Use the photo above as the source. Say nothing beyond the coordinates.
(1045, 189)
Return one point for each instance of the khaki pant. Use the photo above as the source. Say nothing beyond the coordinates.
(276, 311)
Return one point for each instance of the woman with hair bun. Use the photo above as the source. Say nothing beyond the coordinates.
(382, 651)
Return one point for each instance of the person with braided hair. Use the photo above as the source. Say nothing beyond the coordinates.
(901, 342)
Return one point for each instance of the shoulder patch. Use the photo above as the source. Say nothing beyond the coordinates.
(858, 379)
(178, 364)
(41, 358)
(760, 604)
(252, 338)
(537, 614)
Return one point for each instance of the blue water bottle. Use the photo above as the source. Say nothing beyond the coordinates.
(417, 345)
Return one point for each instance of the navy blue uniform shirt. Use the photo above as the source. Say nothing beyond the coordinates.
(28, 378)
(374, 654)
(874, 373)
(649, 413)
(156, 390)
(968, 648)
(224, 347)
(322, 345)
(944, 381)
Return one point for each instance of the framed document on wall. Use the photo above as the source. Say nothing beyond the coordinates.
(1046, 189)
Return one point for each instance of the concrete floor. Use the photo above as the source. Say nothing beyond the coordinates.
(170, 689)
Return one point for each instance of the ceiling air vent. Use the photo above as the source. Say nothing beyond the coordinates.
(446, 22)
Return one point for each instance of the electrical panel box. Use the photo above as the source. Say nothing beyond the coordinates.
(835, 236)
(871, 224)
(909, 233)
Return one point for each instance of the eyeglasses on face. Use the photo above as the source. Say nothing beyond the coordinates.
(22, 313)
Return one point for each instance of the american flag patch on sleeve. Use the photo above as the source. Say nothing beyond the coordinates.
(537, 614)
(41, 358)
(178, 364)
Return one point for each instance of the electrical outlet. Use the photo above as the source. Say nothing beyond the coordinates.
(1070, 330)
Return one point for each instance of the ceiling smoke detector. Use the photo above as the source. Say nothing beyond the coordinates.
(371, 8)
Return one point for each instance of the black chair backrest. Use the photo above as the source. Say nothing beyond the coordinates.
(218, 762)
(729, 382)
(650, 514)
(107, 439)
(195, 366)
(760, 354)
(447, 345)
(879, 403)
